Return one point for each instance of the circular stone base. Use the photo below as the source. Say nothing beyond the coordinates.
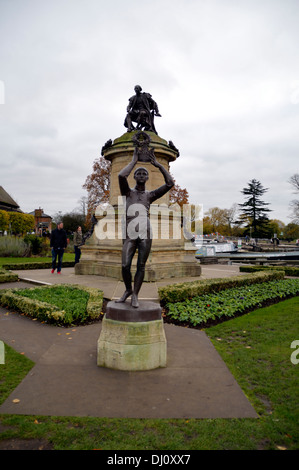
(123, 311)
(132, 346)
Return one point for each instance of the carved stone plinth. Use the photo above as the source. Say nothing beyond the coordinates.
(132, 339)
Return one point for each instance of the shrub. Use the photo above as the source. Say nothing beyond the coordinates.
(180, 292)
(38, 245)
(4, 221)
(62, 305)
(20, 223)
(288, 270)
(13, 246)
(34, 242)
(35, 265)
(7, 276)
(201, 310)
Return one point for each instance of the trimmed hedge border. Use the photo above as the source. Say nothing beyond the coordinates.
(210, 309)
(44, 311)
(183, 291)
(35, 265)
(288, 270)
(7, 276)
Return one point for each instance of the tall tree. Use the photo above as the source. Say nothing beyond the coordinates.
(178, 195)
(216, 218)
(72, 220)
(254, 210)
(97, 185)
(230, 216)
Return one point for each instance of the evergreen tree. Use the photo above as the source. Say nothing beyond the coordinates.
(254, 210)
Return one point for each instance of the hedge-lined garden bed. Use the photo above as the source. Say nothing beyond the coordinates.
(181, 291)
(7, 276)
(208, 309)
(203, 303)
(292, 271)
(64, 305)
(35, 265)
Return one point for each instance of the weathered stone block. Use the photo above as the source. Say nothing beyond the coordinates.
(132, 345)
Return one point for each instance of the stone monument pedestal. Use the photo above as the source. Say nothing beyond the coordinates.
(132, 339)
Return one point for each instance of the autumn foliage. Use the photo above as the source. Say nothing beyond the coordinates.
(97, 185)
(178, 195)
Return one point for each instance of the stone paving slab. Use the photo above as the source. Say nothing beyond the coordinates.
(113, 288)
(65, 380)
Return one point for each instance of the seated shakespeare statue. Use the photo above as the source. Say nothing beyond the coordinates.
(141, 110)
(138, 234)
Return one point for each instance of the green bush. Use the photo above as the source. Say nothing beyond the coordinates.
(35, 265)
(182, 291)
(20, 223)
(13, 246)
(201, 310)
(4, 221)
(35, 243)
(63, 305)
(288, 270)
(7, 276)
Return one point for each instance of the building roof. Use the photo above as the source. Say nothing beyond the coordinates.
(7, 203)
(43, 214)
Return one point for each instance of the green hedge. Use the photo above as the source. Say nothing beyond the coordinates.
(43, 311)
(7, 276)
(207, 309)
(187, 290)
(288, 270)
(35, 265)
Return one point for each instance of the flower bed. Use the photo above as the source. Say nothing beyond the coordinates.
(203, 310)
(63, 305)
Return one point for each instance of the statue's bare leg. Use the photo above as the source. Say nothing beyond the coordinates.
(129, 248)
(125, 295)
(144, 248)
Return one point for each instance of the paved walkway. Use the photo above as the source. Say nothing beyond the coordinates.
(113, 288)
(65, 380)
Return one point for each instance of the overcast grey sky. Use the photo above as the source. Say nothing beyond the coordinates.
(225, 74)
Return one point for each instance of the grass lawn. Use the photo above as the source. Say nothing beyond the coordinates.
(257, 349)
(34, 259)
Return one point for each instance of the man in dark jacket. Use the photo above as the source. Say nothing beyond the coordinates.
(58, 244)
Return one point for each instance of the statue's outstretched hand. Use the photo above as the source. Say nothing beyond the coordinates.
(153, 159)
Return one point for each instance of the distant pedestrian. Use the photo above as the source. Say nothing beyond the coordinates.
(77, 243)
(58, 244)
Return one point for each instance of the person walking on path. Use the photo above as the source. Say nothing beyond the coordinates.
(77, 243)
(58, 244)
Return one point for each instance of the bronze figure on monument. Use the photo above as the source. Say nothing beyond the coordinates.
(141, 110)
(138, 235)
